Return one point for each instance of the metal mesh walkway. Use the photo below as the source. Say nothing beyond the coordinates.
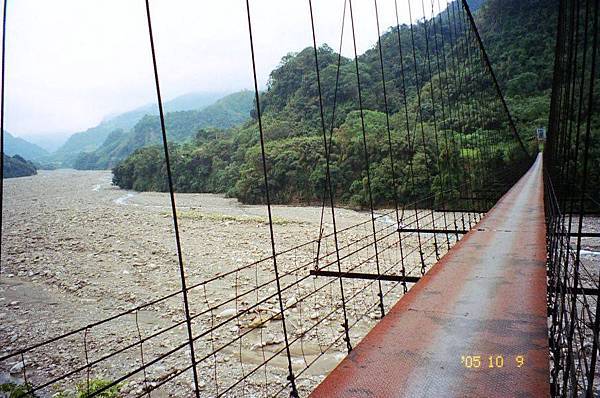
(475, 325)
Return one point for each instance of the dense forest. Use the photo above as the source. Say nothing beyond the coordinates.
(519, 36)
(16, 166)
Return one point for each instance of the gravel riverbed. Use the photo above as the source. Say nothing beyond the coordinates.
(76, 250)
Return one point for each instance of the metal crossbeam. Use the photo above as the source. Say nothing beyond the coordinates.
(460, 211)
(433, 231)
(586, 291)
(583, 234)
(360, 275)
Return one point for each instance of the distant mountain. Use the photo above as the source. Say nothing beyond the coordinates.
(50, 141)
(227, 112)
(16, 166)
(191, 101)
(93, 138)
(18, 146)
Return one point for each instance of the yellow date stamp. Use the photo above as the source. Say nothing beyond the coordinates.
(491, 361)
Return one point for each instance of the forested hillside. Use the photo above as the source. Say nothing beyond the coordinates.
(519, 36)
(16, 166)
(227, 112)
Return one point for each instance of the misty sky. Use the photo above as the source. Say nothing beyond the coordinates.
(72, 62)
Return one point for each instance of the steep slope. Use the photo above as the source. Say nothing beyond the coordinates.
(93, 138)
(227, 112)
(520, 38)
(18, 146)
(292, 96)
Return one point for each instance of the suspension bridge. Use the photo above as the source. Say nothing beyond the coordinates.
(478, 290)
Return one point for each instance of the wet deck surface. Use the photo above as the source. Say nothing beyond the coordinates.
(486, 298)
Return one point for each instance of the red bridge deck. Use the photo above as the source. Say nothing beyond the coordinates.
(485, 299)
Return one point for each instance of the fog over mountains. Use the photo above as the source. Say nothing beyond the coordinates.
(61, 152)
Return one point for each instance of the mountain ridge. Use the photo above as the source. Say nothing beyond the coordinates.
(227, 112)
(92, 138)
(22, 147)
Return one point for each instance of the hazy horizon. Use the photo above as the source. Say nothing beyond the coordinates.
(53, 140)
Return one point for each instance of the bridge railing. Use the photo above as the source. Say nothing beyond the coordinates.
(572, 203)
